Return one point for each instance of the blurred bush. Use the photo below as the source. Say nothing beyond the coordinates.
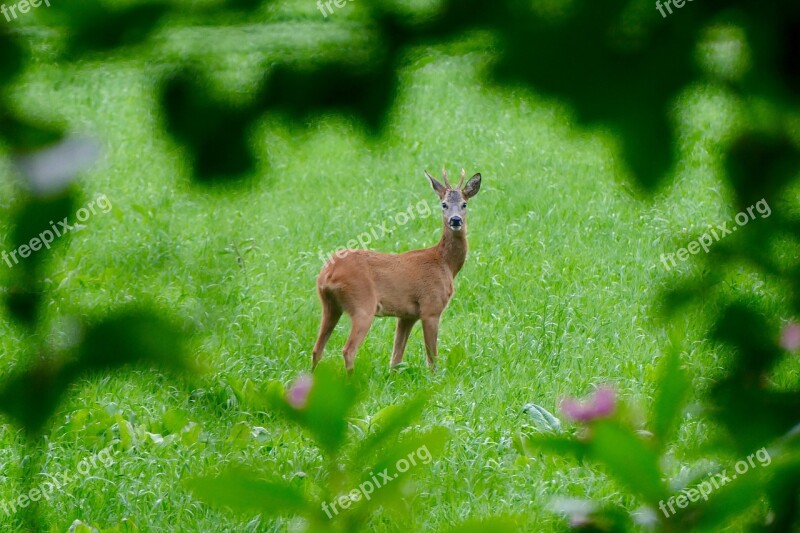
(367, 466)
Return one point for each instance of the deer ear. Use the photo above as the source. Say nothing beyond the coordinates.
(438, 187)
(473, 186)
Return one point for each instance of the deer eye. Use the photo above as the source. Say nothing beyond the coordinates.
(444, 206)
(464, 205)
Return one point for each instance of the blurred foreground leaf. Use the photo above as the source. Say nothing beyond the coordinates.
(141, 338)
(387, 422)
(212, 131)
(673, 389)
(243, 492)
(628, 459)
(96, 26)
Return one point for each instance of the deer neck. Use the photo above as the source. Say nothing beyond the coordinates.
(453, 248)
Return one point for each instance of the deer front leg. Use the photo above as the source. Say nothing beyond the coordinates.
(404, 327)
(430, 329)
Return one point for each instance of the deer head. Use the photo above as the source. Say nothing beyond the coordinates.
(454, 201)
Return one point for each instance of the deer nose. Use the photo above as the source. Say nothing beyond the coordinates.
(456, 221)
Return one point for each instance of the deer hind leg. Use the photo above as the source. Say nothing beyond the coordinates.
(331, 313)
(361, 324)
(430, 329)
(360, 303)
(404, 327)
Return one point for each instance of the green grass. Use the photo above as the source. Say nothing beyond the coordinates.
(559, 292)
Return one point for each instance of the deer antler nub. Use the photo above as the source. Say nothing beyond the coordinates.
(463, 175)
(444, 176)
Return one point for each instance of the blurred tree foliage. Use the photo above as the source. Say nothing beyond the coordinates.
(617, 63)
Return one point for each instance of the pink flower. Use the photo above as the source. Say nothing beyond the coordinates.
(601, 405)
(579, 521)
(297, 395)
(790, 337)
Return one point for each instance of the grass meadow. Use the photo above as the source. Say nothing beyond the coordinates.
(559, 294)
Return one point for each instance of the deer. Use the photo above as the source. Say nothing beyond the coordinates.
(411, 286)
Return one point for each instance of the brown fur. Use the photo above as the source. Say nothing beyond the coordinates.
(412, 286)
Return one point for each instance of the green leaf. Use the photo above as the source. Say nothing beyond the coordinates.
(672, 391)
(133, 337)
(79, 526)
(126, 435)
(731, 499)
(531, 444)
(240, 435)
(389, 421)
(381, 483)
(243, 493)
(96, 27)
(329, 402)
(26, 135)
(175, 420)
(191, 434)
(12, 57)
(417, 449)
(456, 357)
(31, 396)
(214, 132)
(628, 459)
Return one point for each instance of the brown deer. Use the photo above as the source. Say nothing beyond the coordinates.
(412, 286)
